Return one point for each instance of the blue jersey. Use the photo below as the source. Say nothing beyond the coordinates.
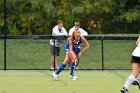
(76, 46)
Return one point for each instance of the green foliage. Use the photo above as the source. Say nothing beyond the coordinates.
(96, 16)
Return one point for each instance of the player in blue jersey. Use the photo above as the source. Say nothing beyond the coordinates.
(71, 48)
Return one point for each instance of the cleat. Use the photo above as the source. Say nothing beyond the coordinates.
(124, 90)
(55, 76)
(76, 68)
(73, 77)
(51, 68)
(137, 82)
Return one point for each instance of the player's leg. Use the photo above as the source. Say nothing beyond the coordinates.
(61, 67)
(137, 60)
(76, 66)
(72, 75)
(77, 52)
(137, 82)
(57, 54)
(52, 62)
(131, 78)
(72, 66)
(52, 59)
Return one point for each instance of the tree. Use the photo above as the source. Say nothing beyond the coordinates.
(96, 16)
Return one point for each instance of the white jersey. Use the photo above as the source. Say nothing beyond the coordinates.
(136, 52)
(83, 32)
(56, 32)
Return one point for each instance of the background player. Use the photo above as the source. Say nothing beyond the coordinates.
(135, 68)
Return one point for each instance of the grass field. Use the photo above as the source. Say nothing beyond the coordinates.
(42, 82)
(30, 53)
(35, 53)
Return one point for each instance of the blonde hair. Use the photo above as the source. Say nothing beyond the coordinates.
(73, 35)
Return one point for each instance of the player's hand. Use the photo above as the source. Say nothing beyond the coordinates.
(79, 54)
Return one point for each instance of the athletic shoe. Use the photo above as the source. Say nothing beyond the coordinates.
(124, 90)
(76, 68)
(51, 68)
(55, 76)
(73, 77)
(137, 82)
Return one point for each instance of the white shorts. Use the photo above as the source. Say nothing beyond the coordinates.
(136, 52)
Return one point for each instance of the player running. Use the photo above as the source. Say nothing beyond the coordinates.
(71, 47)
(135, 69)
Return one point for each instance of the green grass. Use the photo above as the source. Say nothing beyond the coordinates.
(42, 82)
(32, 53)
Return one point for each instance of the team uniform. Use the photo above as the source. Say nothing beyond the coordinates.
(136, 55)
(131, 79)
(83, 33)
(76, 46)
(76, 50)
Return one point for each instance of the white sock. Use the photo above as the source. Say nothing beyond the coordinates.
(129, 81)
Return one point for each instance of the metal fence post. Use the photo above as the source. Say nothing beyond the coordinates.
(54, 52)
(5, 33)
(102, 44)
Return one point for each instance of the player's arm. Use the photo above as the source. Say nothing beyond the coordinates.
(138, 40)
(64, 31)
(70, 31)
(57, 33)
(86, 46)
(83, 32)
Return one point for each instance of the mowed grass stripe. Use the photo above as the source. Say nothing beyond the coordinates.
(41, 81)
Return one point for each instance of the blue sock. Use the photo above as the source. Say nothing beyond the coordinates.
(72, 65)
(61, 67)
